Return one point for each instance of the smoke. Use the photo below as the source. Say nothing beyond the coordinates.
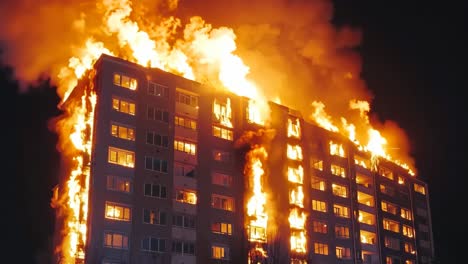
(292, 50)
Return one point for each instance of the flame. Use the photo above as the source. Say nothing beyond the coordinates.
(257, 112)
(297, 197)
(321, 117)
(294, 152)
(223, 112)
(299, 242)
(294, 128)
(296, 175)
(296, 219)
(337, 149)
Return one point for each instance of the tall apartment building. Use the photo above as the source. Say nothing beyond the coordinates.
(167, 182)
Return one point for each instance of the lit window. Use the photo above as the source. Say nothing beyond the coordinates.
(155, 190)
(185, 97)
(387, 190)
(406, 214)
(391, 225)
(157, 89)
(222, 202)
(185, 146)
(186, 196)
(184, 221)
(340, 190)
(221, 179)
(392, 260)
(221, 228)
(123, 106)
(183, 247)
(220, 252)
(363, 180)
(409, 248)
(419, 188)
(294, 152)
(401, 180)
(156, 139)
(125, 81)
(367, 237)
(123, 132)
(121, 157)
(408, 261)
(319, 227)
(317, 183)
(155, 164)
(185, 122)
(363, 162)
(118, 212)
(389, 208)
(384, 172)
(320, 248)
(186, 170)
(341, 231)
(222, 156)
(296, 175)
(316, 164)
(343, 252)
(294, 128)
(121, 184)
(366, 218)
(320, 206)
(392, 243)
(153, 113)
(154, 217)
(408, 231)
(338, 170)
(341, 211)
(337, 149)
(153, 244)
(223, 133)
(115, 240)
(366, 199)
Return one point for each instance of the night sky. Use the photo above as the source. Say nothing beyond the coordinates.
(413, 62)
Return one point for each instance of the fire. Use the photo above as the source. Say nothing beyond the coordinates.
(296, 219)
(223, 112)
(296, 175)
(337, 149)
(294, 128)
(294, 152)
(297, 197)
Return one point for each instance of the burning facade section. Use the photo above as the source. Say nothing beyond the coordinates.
(157, 173)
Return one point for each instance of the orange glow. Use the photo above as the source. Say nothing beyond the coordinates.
(337, 149)
(298, 242)
(296, 175)
(296, 197)
(294, 152)
(223, 113)
(322, 118)
(257, 111)
(296, 219)
(294, 128)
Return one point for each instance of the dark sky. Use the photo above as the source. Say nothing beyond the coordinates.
(413, 61)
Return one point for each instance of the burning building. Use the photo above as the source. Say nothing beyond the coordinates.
(169, 170)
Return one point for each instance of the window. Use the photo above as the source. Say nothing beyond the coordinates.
(320, 206)
(222, 202)
(405, 214)
(420, 189)
(363, 180)
(319, 227)
(185, 122)
(387, 190)
(366, 218)
(316, 164)
(320, 248)
(343, 252)
(184, 221)
(121, 157)
(157, 89)
(391, 225)
(123, 106)
(392, 243)
(125, 81)
(154, 217)
(155, 190)
(223, 133)
(221, 228)
(401, 180)
(185, 146)
(156, 139)
(115, 240)
(366, 199)
(408, 261)
(121, 184)
(384, 172)
(409, 248)
(341, 211)
(185, 97)
(392, 260)
(221, 179)
(222, 156)
(340, 190)
(317, 183)
(118, 212)
(154, 164)
(388, 207)
(341, 231)
(185, 170)
(296, 175)
(183, 247)
(220, 252)
(408, 231)
(367, 237)
(361, 161)
(186, 196)
(153, 244)
(153, 113)
(294, 128)
(338, 170)
(122, 131)
(222, 113)
(294, 152)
